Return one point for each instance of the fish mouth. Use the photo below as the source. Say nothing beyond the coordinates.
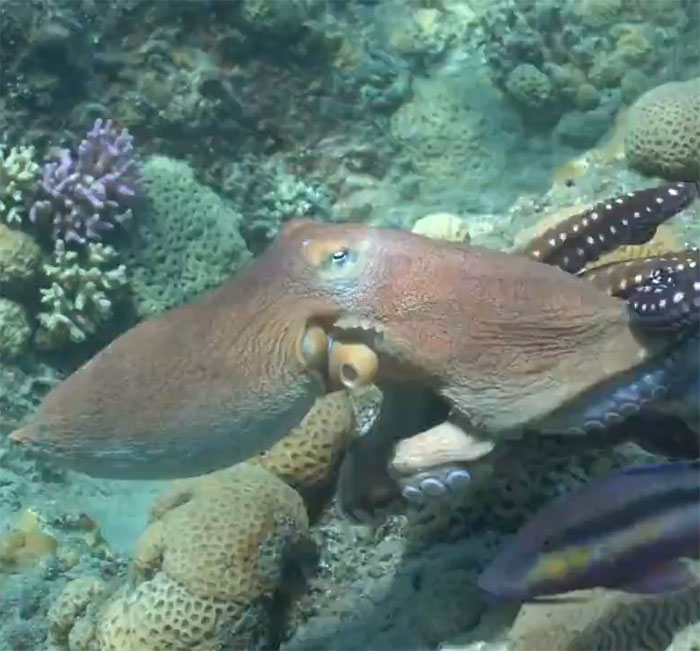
(502, 590)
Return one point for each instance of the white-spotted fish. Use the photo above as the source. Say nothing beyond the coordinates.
(628, 219)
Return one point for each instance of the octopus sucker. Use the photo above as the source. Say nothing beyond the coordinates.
(619, 398)
(625, 220)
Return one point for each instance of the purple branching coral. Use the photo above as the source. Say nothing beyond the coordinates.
(84, 198)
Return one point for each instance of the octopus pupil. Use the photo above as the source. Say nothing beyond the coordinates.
(340, 255)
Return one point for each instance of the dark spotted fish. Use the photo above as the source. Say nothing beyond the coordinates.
(629, 219)
(624, 278)
(669, 302)
(625, 531)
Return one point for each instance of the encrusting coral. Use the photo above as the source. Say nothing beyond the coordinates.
(20, 258)
(15, 329)
(187, 241)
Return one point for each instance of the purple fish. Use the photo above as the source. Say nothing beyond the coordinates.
(626, 531)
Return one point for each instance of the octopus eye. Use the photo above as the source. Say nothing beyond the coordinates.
(339, 256)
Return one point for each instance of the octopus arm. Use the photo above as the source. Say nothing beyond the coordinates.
(625, 220)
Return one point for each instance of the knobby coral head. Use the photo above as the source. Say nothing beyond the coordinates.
(85, 196)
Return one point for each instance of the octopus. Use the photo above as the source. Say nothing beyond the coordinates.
(504, 342)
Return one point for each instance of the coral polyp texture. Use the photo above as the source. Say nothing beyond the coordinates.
(663, 134)
(187, 241)
(84, 197)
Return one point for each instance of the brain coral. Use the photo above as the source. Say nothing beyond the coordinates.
(663, 134)
(221, 535)
(204, 570)
(186, 242)
(529, 86)
(215, 549)
(309, 455)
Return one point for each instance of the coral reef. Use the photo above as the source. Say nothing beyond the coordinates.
(445, 139)
(81, 295)
(380, 112)
(603, 620)
(308, 457)
(268, 194)
(529, 86)
(214, 552)
(83, 198)
(20, 259)
(443, 226)
(187, 240)
(592, 52)
(18, 174)
(15, 329)
(663, 133)
(217, 549)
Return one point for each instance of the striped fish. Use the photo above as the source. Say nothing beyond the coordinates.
(626, 531)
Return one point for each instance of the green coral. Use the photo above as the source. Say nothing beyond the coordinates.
(15, 330)
(186, 242)
(529, 86)
(20, 257)
(79, 299)
(18, 174)
(445, 139)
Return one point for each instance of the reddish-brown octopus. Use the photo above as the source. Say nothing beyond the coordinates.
(506, 341)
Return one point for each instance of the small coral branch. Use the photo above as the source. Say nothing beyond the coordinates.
(86, 196)
(18, 176)
(79, 298)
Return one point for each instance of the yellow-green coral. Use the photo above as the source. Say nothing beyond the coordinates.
(663, 132)
(15, 330)
(529, 86)
(79, 299)
(18, 174)
(20, 256)
(214, 552)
